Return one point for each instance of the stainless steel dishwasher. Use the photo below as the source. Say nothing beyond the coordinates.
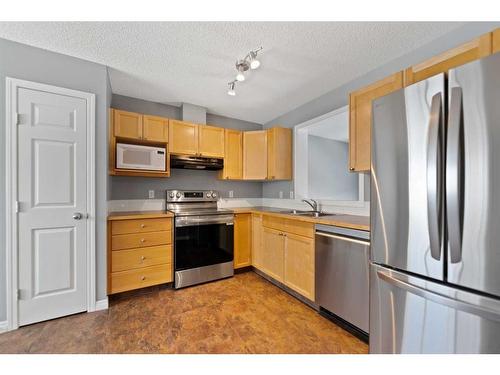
(342, 276)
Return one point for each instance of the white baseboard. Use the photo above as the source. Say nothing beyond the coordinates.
(4, 327)
(101, 304)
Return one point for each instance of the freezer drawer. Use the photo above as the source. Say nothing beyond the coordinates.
(342, 273)
(413, 315)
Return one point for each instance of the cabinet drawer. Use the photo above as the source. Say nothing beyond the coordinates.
(140, 278)
(140, 226)
(123, 260)
(130, 241)
(300, 228)
(274, 222)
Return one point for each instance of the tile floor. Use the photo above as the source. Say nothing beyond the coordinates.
(243, 314)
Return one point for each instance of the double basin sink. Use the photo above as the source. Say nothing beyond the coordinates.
(305, 213)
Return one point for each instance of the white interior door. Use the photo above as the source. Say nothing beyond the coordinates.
(52, 195)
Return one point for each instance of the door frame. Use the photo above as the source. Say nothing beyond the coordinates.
(11, 168)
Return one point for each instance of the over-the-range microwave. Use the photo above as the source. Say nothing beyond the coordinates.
(130, 156)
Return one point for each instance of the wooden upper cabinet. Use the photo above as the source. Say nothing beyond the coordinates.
(233, 154)
(154, 128)
(211, 141)
(279, 153)
(183, 137)
(496, 41)
(127, 124)
(360, 113)
(467, 52)
(255, 155)
(242, 240)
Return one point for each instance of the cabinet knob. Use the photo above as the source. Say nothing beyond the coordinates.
(143, 258)
(143, 278)
(143, 240)
(351, 168)
(143, 225)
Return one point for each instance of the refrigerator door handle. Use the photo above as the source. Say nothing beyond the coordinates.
(441, 299)
(434, 165)
(454, 175)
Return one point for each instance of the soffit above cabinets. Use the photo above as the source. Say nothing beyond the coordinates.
(175, 62)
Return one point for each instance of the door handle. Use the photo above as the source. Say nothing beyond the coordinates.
(77, 216)
(454, 175)
(397, 281)
(434, 173)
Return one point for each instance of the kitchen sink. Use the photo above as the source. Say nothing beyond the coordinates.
(305, 213)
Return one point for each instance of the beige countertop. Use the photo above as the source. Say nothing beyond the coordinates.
(340, 220)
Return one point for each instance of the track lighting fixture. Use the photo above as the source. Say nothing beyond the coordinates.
(249, 62)
(231, 91)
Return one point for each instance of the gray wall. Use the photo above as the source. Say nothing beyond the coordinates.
(328, 177)
(137, 187)
(338, 97)
(34, 64)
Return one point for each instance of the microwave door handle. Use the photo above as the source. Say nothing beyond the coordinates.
(434, 176)
(454, 175)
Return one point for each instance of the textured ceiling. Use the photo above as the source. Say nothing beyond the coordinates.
(174, 62)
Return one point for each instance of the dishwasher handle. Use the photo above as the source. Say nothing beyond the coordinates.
(342, 238)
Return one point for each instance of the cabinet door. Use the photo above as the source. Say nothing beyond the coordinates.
(233, 154)
(496, 41)
(127, 124)
(242, 240)
(255, 155)
(273, 253)
(183, 137)
(360, 113)
(257, 250)
(154, 128)
(470, 51)
(279, 154)
(211, 141)
(299, 264)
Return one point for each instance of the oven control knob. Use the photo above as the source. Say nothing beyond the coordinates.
(178, 195)
(171, 195)
(209, 195)
(214, 195)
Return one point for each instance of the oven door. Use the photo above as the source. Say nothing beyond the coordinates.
(202, 241)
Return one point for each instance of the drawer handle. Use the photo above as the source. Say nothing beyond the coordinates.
(143, 278)
(143, 225)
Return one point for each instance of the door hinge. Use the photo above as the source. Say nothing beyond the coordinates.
(18, 118)
(22, 294)
(16, 207)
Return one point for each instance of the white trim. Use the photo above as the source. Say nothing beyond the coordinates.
(300, 168)
(102, 304)
(3, 326)
(11, 85)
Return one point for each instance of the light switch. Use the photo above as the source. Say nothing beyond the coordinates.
(281, 195)
(151, 194)
(291, 194)
(231, 194)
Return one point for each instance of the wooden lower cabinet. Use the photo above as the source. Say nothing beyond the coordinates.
(299, 264)
(257, 246)
(273, 253)
(242, 240)
(139, 253)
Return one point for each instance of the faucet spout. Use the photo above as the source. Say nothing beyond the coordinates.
(312, 203)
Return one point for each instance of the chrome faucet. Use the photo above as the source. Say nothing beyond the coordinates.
(312, 203)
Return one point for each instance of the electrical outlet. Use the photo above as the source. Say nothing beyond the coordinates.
(151, 194)
(281, 195)
(231, 194)
(291, 194)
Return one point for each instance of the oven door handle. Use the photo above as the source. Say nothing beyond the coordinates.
(191, 221)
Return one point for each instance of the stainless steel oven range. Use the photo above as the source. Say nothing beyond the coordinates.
(203, 238)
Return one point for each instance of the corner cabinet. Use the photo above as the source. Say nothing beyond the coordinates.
(474, 50)
(255, 155)
(242, 240)
(233, 155)
(360, 117)
(279, 153)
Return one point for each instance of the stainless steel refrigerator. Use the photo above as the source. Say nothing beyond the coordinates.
(435, 214)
